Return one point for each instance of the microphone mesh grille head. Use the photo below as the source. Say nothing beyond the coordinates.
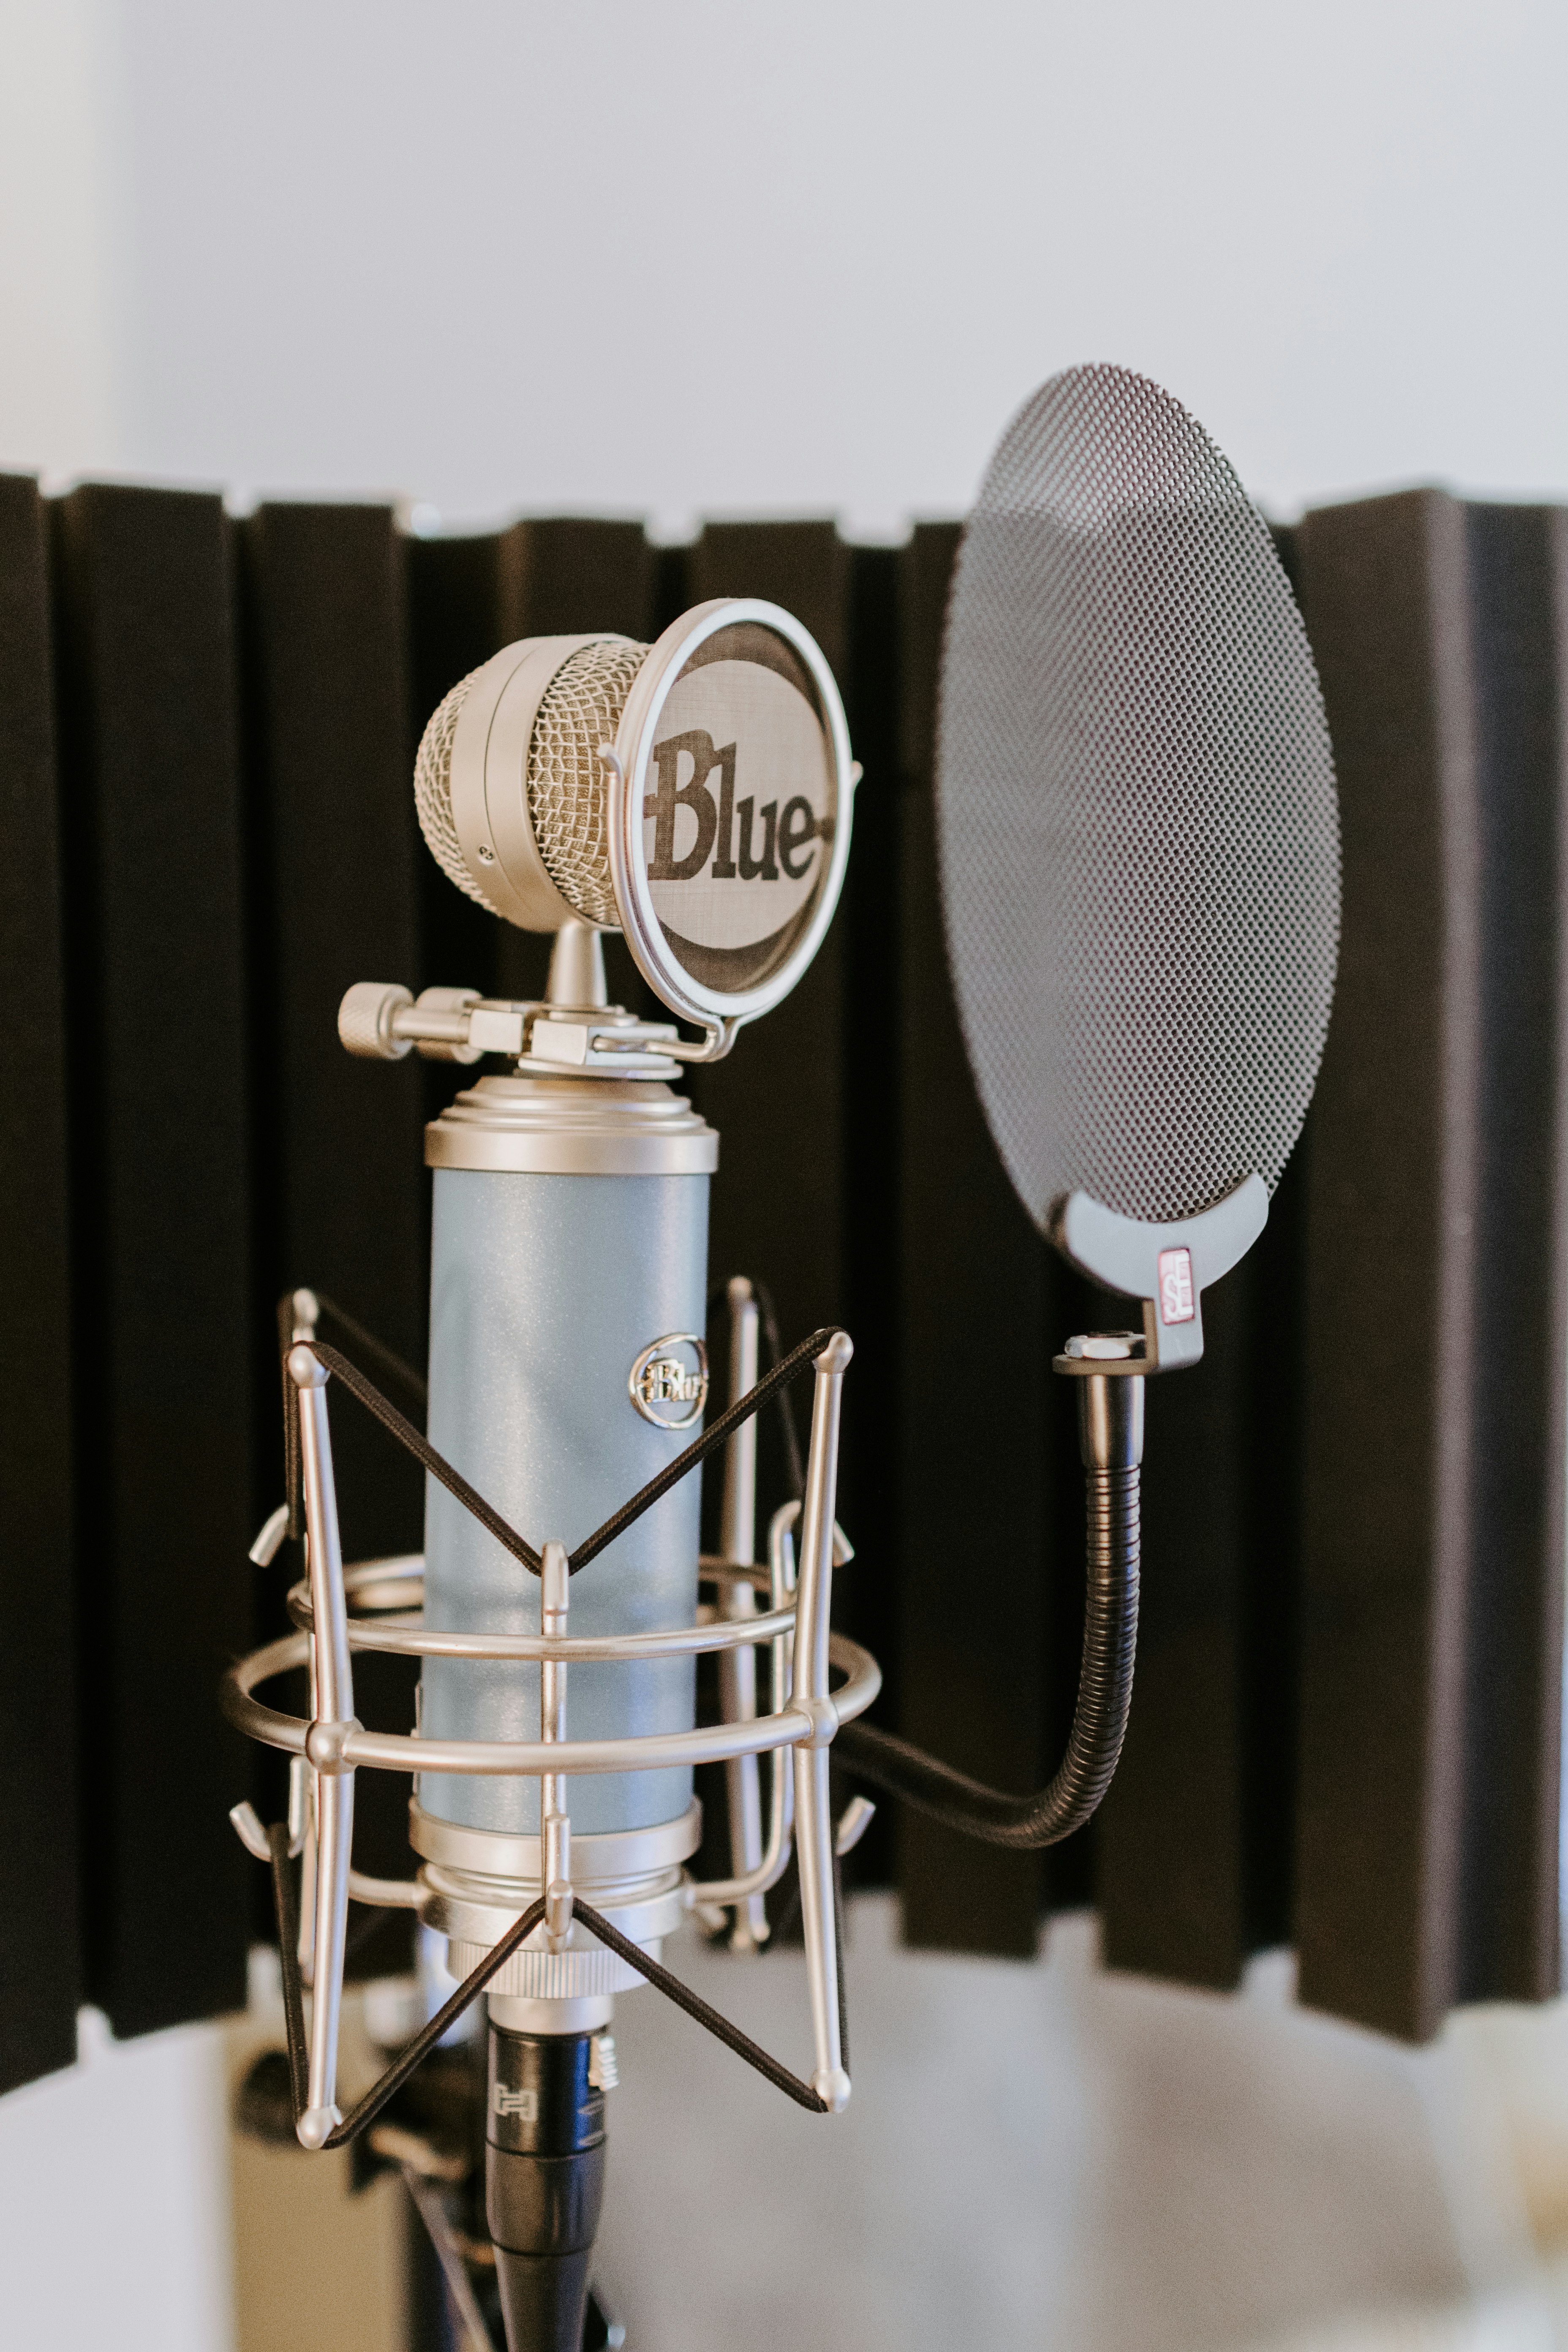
(568, 788)
(1137, 828)
(433, 792)
(567, 785)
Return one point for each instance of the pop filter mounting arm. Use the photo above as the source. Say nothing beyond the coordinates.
(1166, 1267)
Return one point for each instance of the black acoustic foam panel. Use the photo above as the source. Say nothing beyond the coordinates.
(162, 1176)
(339, 1155)
(1402, 1597)
(1518, 579)
(558, 575)
(1431, 1559)
(1272, 1285)
(976, 1452)
(1391, 1274)
(40, 1961)
(336, 842)
(868, 1595)
(454, 624)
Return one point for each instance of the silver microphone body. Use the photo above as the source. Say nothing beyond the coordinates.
(545, 1289)
(569, 1265)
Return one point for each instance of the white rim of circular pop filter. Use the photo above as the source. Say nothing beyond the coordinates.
(644, 933)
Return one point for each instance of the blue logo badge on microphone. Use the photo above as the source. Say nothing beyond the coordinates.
(669, 1381)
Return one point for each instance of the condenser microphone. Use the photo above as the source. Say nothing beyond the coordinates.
(695, 796)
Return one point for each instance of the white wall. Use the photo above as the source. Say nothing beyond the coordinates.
(62, 400)
(114, 2199)
(696, 256)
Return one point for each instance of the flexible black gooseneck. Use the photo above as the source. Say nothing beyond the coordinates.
(1110, 1438)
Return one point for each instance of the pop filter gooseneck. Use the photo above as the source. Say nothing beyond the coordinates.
(1139, 839)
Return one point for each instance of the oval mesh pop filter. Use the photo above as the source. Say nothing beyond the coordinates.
(1137, 828)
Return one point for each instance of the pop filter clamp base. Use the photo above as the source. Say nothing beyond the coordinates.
(1167, 1267)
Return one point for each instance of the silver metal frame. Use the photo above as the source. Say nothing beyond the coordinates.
(804, 1715)
(331, 1677)
(738, 1666)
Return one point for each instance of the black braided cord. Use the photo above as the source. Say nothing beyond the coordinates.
(695, 2006)
(403, 2065)
(386, 1412)
(787, 1368)
(1099, 1718)
(366, 1394)
(393, 1366)
(365, 2112)
(288, 1908)
(794, 1458)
